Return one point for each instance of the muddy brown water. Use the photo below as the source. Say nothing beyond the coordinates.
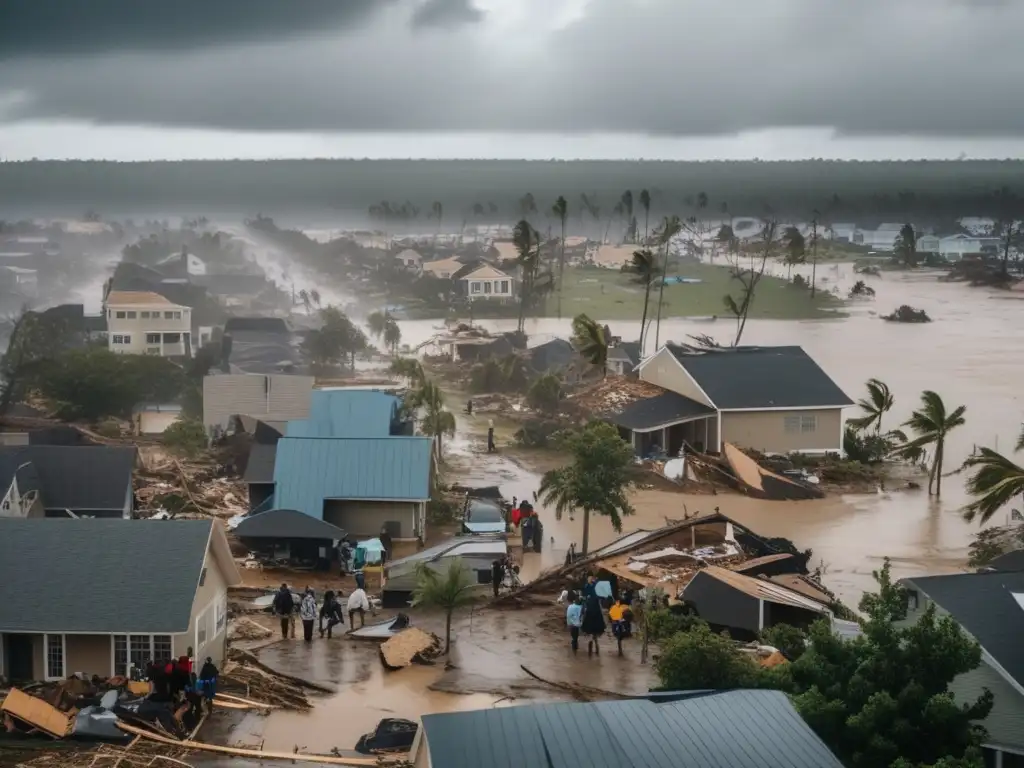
(971, 354)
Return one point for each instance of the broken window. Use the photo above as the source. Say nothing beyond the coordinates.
(55, 657)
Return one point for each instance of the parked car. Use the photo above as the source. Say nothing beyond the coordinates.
(483, 516)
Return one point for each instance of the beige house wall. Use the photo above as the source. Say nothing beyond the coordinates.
(766, 430)
(362, 519)
(281, 396)
(209, 596)
(664, 370)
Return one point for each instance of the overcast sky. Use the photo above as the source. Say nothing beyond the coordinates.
(865, 79)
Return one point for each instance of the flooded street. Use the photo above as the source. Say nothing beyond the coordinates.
(970, 355)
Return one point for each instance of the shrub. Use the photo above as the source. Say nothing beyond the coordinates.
(187, 437)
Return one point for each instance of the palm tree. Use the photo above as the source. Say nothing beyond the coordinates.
(449, 592)
(436, 420)
(627, 210)
(795, 248)
(597, 481)
(527, 205)
(408, 368)
(932, 424)
(377, 322)
(437, 212)
(878, 402)
(995, 483)
(314, 296)
(645, 267)
(527, 242)
(591, 341)
(670, 227)
(392, 334)
(304, 298)
(561, 210)
(645, 203)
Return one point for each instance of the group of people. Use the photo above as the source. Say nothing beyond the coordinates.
(524, 517)
(286, 608)
(175, 681)
(585, 615)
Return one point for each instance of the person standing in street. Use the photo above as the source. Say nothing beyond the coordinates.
(331, 611)
(385, 541)
(497, 574)
(307, 612)
(574, 619)
(208, 682)
(593, 625)
(358, 603)
(490, 436)
(284, 609)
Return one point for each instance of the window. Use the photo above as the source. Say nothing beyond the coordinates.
(131, 315)
(144, 315)
(152, 350)
(488, 286)
(503, 286)
(121, 655)
(795, 425)
(152, 338)
(121, 339)
(912, 599)
(474, 287)
(172, 338)
(55, 657)
(162, 647)
(177, 315)
(168, 315)
(139, 649)
(121, 315)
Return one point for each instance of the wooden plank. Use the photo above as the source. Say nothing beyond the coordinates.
(38, 713)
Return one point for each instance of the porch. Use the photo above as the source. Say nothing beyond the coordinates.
(662, 424)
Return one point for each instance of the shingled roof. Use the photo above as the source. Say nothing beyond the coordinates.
(102, 576)
(88, 478)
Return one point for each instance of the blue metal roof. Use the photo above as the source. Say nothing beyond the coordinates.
(347, 413)
(724, 729)
(311, 469)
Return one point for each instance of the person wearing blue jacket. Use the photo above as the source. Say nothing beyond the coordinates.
(574, 619)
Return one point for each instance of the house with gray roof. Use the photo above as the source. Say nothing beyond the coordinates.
(66, 481)
(988, 606)
(688, 729)
(770, 399)
(93, 597)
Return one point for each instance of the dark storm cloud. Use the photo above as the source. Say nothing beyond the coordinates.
(679, 67)
(74, 27)
(446, 13)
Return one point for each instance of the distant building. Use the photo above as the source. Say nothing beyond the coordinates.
(410, 260)
(442, 268)
(154, 418)
(957, 247)
(613, 256)
(146, 323)
(928, 244)
(487, 283)
(624, 357)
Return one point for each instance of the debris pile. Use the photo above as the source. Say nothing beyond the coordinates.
(244, 672)
(175, 488)
(409, 646)
(613, 393)
(907, 314)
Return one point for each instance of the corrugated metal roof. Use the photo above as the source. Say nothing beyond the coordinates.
(726, 729)
(456, 547)
(311, 469)
(347, 413)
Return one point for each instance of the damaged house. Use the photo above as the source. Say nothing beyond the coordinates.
(66, 481)
(770, 399)
(107, 594)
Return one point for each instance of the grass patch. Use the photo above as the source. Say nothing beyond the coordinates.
(610, 295)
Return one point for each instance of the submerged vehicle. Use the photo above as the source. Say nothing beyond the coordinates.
(483, 516)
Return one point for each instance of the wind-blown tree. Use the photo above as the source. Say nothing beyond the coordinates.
(645, 203)
(740, 306)
(905, 248)
(436, 421)
(670, 227)
(410, 369)
(627, 212)
(597, 481)
(392, 334)
(448, 592)
(527, 242)
(305, 300)
(527, 205)
(377, 322)
(878, 403)
(794, 248)
(314, 296)
(645, 268)
(34, 339)
(437, 212)
(590, 339)
(931, 424)
(994, 482)
(561, 210)
(815, 241)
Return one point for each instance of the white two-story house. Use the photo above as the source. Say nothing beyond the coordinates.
(146, 323)
(488, 283)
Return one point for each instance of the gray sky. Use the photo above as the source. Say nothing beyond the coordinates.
(682, 79)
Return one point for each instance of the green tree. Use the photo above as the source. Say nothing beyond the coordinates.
(186, 436)
(590, 339)
(878, 403)
(598, 480)
(377, 322)
(670, 227)
(931, 424)
(449, 592)
(436, 420)
(885, 695)
(561, 210)
(791, 641)
(627, 211)
(35, 338)
(701, 659)
(645, 267)
(794, 248)
(740, 306)
(905, 248)
(392, 335)
(409, 369)
(545, 393)
(994, 482)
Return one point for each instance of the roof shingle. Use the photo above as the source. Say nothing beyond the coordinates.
(95, 477)
(761, 377)
(286, 524)
(100, 576)
(660, 410)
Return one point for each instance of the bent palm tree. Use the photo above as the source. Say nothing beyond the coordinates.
(670, 227)
(645, 267)
(591, 341)
(436, 420)
(527, 243)
(561, 210)
(932, 423)
(448, 592)
(878, 402)
(645, 203)
(377, 323)
(995, 483)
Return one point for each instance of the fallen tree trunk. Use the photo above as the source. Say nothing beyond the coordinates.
(244, 657)
(254, 753)
(579, 692)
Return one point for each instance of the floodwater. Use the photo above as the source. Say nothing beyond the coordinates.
(971, 355)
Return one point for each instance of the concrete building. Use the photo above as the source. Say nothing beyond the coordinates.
(146, 323)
